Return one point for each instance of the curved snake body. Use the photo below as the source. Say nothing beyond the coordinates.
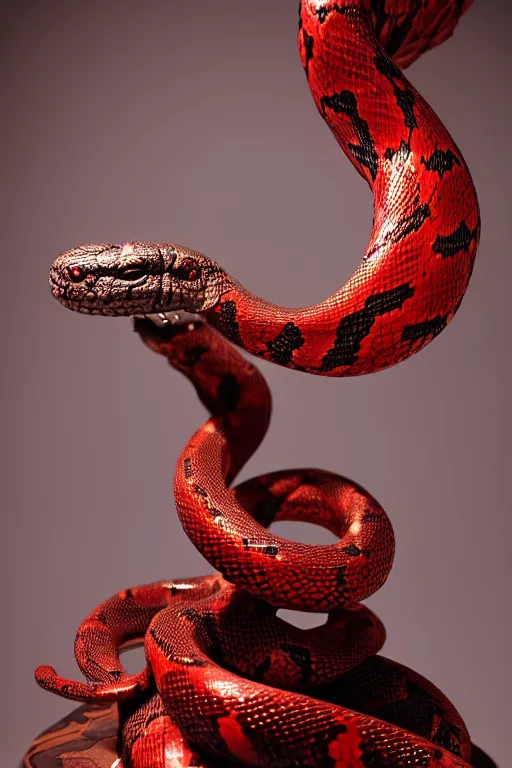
(426, 218)
(219, 660)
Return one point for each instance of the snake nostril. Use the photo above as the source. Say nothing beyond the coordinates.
(76, 274)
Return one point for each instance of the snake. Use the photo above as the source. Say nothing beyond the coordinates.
(227, 681)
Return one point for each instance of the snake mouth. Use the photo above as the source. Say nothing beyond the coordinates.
(98, 307)
(87, 304)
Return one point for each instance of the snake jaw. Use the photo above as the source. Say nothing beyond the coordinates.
(178, 317)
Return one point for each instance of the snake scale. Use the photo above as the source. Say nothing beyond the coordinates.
(227, 682)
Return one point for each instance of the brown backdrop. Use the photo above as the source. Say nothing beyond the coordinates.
(192, 122)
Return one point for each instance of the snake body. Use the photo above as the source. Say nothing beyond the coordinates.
(226, 680)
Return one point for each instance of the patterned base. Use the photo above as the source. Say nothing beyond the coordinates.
(87, 737)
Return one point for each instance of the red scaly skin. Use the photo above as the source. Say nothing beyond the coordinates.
(218, 658)
(206, 639)
(426, 220)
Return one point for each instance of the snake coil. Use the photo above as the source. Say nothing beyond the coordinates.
(226, 681)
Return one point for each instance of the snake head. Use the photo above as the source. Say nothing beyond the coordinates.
(135, 279)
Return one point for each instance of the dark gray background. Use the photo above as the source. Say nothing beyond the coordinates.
(192, 122)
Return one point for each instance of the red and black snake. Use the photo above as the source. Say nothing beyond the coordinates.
(227, 682)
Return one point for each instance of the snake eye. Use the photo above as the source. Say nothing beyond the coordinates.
(131, 273)
(76, 274)
(189, 270)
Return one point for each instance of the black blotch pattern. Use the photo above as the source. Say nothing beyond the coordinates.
(370, 515)
(193, 355)
(262, 669)
(344, 10)
(115, 674)
(309, 42)
(228, 393)
(441, 161)
(322, 14)
(167, 648)
(355, 327)
(459, 240)
(345, 103)
(405, 98)
(201, 491)
(189, 612)
(187, 468)
(402, 153)
(373, 757)
(424, 329)
(270, 549)
(387, 67)
(215, 513)
(321, 749)
(228, 322)
(410, 224)
(341, 581)
(259, 575)
(353, 550)
(286, 342)
(302, 658)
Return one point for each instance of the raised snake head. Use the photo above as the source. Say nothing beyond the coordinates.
(135, 279)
